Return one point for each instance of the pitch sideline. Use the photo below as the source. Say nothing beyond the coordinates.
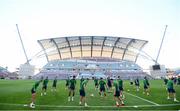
(135, 106)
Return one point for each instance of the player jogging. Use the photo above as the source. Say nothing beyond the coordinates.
(102, 85)
(171, 90)
(146, 86)
(117, 97)
(44, 88)
(54, 84)
(33, 92)
(72, 84)
(83, 93)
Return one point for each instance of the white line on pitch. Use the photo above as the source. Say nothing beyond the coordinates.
(136, 106)
(142, 99)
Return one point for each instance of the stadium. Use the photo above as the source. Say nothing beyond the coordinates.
(101, 56)
(88, 58)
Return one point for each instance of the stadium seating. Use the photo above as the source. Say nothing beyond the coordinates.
(66, 68)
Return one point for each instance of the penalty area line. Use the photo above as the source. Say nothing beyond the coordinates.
(143, 99)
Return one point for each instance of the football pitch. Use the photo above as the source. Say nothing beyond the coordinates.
(16, 95)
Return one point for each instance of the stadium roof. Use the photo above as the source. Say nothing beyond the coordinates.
(120, 48)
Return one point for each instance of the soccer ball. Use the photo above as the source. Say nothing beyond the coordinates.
(128, 90)
(32, 105)
(92, 95)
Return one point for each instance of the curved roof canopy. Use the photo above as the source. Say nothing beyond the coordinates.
(92, 47)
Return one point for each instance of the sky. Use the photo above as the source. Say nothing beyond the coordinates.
(40, 19)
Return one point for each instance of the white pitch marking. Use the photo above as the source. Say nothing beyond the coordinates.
(25, 105)
(92, 106)
(142, 99)
(135, 106)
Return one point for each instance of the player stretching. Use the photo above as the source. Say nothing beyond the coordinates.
(137, 84)
(54, 84)
(33, 91)
(117, 94)
(146, 86)
(120, 84)
(44, 88)
(72, 84)
(83, 93)
(171, 90)
(102, 85)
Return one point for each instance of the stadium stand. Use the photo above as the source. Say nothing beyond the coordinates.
(91, 55)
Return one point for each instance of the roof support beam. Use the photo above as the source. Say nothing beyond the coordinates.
(92, 45)
(56, 47)
(140, 51)
(129, 43)
(80, 46)
(43, 50)
(69, 46)
(114, 46)
(103, 45)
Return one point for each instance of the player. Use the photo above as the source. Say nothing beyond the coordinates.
(117, 94)
(33, 92)
(109, 84)
(175, 80)
(44, 88)
(178, 80)
(165, 81)
(171, 90)
(54, 84)
(146, 86)
(136, 82)
(102, 85)
(83, 92)
(131, 81)
(72, 84)
(81, 80)
(67, 83)
(96, 83)
(120, 84)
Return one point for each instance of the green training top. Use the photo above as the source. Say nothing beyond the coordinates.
(45, 82)
(54, 82)
(146, 83)
(96, 81)
(165, 81)
(81, 80)
(36, 85)
(83, 84)
(120, 83)
(72, 83)
(116, 85)
(170, 84)
(102, 83)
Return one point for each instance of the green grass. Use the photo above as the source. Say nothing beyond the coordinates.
(15, 93)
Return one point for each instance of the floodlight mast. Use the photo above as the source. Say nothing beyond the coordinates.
(22, 44)
(161, 44)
